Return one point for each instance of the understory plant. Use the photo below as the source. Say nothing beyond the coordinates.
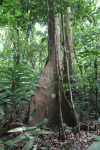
(17, 84)
(29, 134)
(95, 145)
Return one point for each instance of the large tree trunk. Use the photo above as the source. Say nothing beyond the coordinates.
(43, 102)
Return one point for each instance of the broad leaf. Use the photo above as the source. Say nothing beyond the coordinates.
(21, 137)
(5, 71)
(94, 136)
(42, 122)
(5, 76)
(34, 131)
(30, 128)
(94, 146)
(53, 95)
(1, 148)
(1, 111)
(31, 117)
(29, 144)
(98, 119)
(10, 142)
(44, 132)
(19, 129)
(1, 142)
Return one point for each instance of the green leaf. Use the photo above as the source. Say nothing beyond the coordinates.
(1, 148)
(6, 71)
(19, 138)
(34, 131)
(11, 69)
(31, 116)
(19, 129)
(4, 76)
(22, 75)
(43, 39)
(67, 130)
(17, 66)
(10, 142)
(53, 95)
(1, 142)
(26, 137)
(30, 128)
(98, 119)
(42, 122)
(5, 82)
(29, 144)
(94, 136)
(94, 146)
(1, 111)
(21, 71)
(23, 89)
(44, 132)
(28, 134)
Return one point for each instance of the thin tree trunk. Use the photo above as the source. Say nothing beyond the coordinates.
(58, 58)
(96, 89)
(68, 40)
(18, 50)
(68, 59)
(79, 66)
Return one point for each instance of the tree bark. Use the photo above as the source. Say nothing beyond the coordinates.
(68, 60)
(43, 102)
(59, 81)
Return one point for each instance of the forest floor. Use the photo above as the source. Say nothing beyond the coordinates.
(74, 141)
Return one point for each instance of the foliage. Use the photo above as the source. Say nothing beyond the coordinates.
(86, 50)
(29, 133)
(17, 82)
(67, 128)
(17, 85)
(95, 145)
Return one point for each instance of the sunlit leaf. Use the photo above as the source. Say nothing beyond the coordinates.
(19, 129)
(53, 95)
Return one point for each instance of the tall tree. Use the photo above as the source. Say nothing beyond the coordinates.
(43, 102)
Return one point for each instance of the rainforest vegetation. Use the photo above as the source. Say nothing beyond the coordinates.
(49, 74)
